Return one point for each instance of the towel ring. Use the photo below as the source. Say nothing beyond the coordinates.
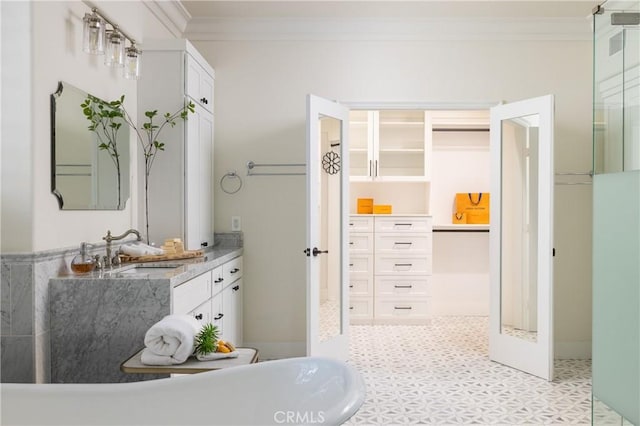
(231, 175)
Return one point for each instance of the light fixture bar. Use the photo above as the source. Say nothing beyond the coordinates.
(108, 21)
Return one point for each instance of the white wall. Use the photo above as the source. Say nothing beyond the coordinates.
(44, 46)
(260, 116)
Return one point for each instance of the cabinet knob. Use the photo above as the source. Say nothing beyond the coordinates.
(204, 244)
(199, 316)
(219, 316)
(236, 288)
(204, 101)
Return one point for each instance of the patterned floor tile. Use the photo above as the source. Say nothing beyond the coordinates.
(440, 374)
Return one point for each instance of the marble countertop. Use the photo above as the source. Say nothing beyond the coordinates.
(174, 272)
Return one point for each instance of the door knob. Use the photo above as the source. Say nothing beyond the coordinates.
(316, 252)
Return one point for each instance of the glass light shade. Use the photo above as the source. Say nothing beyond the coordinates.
(93, 34)
(114, 54)
(132, 63)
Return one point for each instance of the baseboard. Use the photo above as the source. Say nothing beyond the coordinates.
(573, 350)
(278, 350)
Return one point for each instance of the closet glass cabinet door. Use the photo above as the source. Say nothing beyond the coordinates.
(389, 145)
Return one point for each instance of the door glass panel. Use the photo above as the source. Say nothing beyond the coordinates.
(519, 227)
(330, 321)
(401, 144)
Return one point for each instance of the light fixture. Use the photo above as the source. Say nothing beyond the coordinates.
(97, 39)
(132, 63)
(93, 36)
(114, 52)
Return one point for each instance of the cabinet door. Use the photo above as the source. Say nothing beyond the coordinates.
(237, 293)
(401, 152)
(198, 180)
(361, 135)
(217, 315)
(199, 84)
(229, 309)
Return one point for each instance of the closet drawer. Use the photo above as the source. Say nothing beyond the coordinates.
(232, 270)
(189, 295)
(361, 243)
(403, 265)
(403, 287)
(360, 286)
(403, 243)
(402, 309)
(360, 224)
(361, 308)
(361, 263)
(403, 224)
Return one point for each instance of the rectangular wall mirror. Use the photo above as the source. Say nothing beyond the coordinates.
(90, 169)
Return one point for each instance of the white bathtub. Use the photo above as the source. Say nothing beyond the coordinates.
(309, 390)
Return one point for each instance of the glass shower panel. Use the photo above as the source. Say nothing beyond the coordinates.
(616, 88)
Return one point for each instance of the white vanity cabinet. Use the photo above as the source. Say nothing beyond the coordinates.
(180, 181)
(215, 297)
(227, 302)
(390, 269)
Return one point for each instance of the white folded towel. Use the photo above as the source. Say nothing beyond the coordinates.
(170, 340)
(140, 249)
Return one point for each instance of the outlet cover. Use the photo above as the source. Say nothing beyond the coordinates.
(235, 223)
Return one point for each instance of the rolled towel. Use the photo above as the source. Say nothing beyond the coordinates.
(140, 249)
(170, 340)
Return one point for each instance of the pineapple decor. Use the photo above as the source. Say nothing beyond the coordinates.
(207, 342)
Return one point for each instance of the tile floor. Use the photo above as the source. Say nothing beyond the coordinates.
(440, 374)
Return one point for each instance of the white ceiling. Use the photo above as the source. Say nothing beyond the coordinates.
(429, 9)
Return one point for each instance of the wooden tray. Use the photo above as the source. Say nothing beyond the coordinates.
(187, 254)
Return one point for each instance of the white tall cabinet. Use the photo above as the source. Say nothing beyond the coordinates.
(180, 184)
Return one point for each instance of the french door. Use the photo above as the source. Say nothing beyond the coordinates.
(327, 230)
(521, 241)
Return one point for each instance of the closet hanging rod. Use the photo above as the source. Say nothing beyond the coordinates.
(251, 165)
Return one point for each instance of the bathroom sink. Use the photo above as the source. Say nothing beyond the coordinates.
(147, 269)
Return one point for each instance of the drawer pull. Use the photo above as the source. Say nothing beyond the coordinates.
(408, 265)
(218, 281)
(402, 307)
(351, 243)
(351, 308)
(234, 270)
(236, 288)
(351, 264)
(402, 224)
(219, 316)
(350, 285)
(402, 244)
(403, 286)
(198, 317)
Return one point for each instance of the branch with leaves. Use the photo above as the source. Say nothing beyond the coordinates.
(105, 124)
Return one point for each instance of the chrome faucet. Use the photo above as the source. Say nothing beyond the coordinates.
(109, 238)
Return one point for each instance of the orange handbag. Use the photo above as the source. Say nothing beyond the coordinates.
(475, 205)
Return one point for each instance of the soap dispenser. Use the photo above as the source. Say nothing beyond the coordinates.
(83, 262)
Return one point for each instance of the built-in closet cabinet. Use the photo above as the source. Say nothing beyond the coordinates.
(180, 183)
(389, 145)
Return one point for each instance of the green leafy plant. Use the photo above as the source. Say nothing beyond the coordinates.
(207, 339)
(105, 120)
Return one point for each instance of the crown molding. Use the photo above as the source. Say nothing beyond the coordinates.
(381, 29)
(171, 13)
